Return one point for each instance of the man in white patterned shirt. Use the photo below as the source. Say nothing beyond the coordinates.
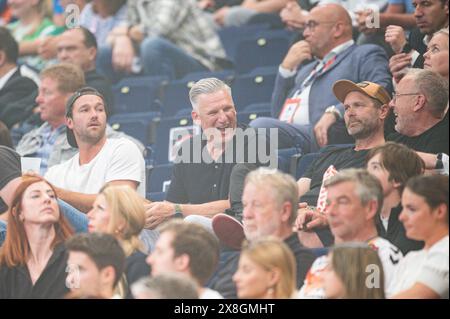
(169, 37)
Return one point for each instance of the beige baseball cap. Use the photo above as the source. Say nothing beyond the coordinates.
(343, 87)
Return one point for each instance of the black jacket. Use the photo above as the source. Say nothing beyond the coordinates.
(17, 99)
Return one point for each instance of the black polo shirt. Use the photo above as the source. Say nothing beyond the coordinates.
(15, 283)
(208, 180)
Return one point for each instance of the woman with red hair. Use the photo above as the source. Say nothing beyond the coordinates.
(33, 257)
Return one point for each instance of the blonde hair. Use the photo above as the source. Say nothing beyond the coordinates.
(273, 254)
(127, 210)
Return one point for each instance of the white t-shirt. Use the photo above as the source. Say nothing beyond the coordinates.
(313, 287)
(119, 159)
(428, 267)
(210, 294)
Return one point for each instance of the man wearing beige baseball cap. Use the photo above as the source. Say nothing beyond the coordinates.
(366, 108)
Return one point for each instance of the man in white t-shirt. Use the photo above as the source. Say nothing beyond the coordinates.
(100, 160)
(354, 198)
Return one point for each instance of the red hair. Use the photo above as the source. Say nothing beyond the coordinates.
(16, 248)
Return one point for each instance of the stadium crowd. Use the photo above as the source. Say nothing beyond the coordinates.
(184, 149)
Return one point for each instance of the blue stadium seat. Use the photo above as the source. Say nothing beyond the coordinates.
(246, 117)
(256, 87)
(158, 178)
(231, 36)
(170, 132)
(285, 159)
(176, 93)
(138, 94)
(263, 50)
(137, 125)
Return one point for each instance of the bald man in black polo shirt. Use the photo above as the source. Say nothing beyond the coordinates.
(201, 187)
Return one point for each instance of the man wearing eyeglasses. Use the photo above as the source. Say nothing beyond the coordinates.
(420, 106)
(308, 114)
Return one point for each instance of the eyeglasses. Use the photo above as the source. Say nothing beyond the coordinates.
(396, 95)
(311, 24)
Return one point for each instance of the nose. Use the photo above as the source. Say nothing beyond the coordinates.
(148, 260)
(392, 103)
(426, 55)
(39, 99)
(402, 217)
(418, 12)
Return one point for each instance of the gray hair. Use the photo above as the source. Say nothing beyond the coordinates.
(166, 286)
(283, 187)
(207, 86)
(434, 87)
(367, 187)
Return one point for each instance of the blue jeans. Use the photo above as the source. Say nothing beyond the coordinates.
(77, 219)
(158, 57)
(290, 135)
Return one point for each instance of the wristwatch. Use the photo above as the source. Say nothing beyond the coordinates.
(333, 110)
(178, 212)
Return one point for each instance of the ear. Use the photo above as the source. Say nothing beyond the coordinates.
(384, 111)
(442, 213)
(69, 122)
(92, 53)
(274, 277)
(338, 29)
(182, 263)
(372, 208)
(196, 118)
(419, 103)
(286, 212)
(107, 276)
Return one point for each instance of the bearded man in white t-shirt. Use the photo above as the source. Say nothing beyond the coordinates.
(100, 160)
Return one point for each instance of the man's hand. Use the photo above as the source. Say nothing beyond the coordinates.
(322, 127)
(309, 218)
(219, 15)
(157, 212)
(206, 4)
(123, 54)
(136, 34)
(47, 48)
(292, 16)
(396, 38)
(298, 53)
(398, 64)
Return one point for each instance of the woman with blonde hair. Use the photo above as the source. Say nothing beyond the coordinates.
(33, 257)
(436, 57)
(267, 270)
(118, 210)
(354, 271)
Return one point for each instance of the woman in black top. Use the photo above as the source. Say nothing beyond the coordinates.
(119, 211)
(33, 257)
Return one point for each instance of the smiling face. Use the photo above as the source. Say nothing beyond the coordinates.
(251, 279)
(361, 116)
(437, 55)
(39, 205)
(431, 15)
(216, 114)
(88, 120)
(403, 105)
